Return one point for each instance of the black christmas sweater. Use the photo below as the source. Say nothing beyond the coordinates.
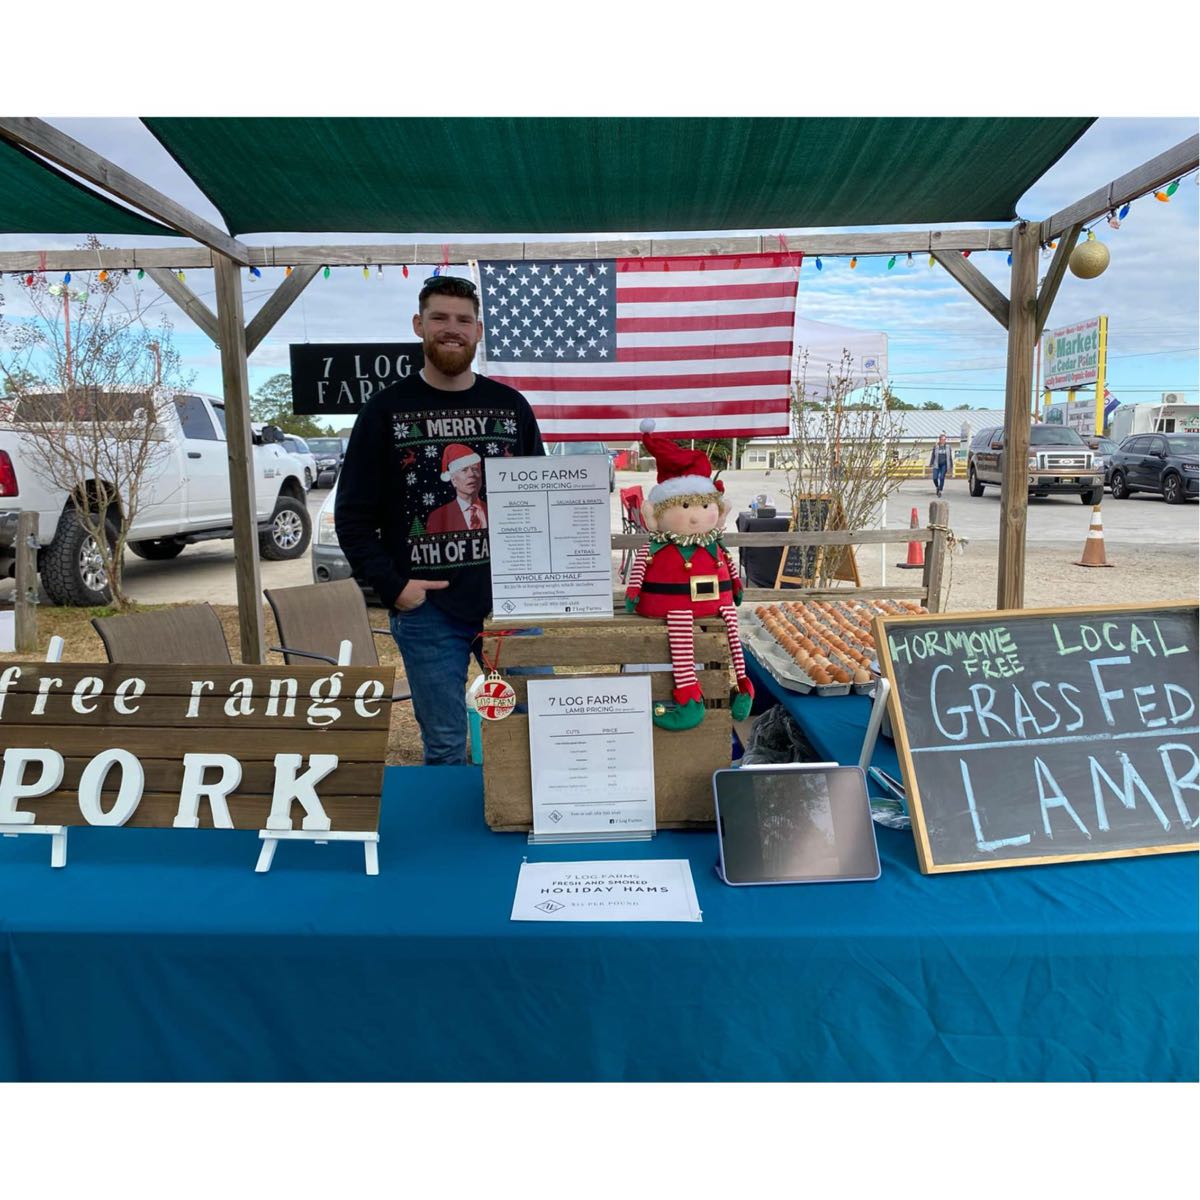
(398, 514)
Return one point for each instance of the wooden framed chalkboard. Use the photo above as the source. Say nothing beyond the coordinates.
(1046, 735)
(799, 566)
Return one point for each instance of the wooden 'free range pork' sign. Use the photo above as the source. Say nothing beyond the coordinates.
(238, 747)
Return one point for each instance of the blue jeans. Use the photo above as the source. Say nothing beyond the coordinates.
(939, 476)
(436, 649)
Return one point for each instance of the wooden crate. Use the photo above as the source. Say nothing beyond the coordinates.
(683, 762)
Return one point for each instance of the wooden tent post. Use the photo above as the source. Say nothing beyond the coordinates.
(231, 327)
(1014, 489)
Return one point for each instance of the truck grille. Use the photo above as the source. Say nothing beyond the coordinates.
(1057, 461)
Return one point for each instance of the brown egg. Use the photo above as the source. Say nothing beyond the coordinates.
(862, 675)
(819, 676)
(839, 675)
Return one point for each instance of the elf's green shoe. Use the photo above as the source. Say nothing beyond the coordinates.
(740, 706)
(679, 716)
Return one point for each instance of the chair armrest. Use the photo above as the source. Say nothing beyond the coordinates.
(325, 658)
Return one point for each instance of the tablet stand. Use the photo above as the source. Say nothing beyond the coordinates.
(873, 725)
(56, 833)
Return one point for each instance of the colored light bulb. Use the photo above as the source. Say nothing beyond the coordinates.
(141, 273)
(325, 273)
(891, 262)
(1124, 212)
(1173, 188)
(1163, 197)
(404, 269)
(286, 272)
(819, 266)
(67, 277)
(854, 262)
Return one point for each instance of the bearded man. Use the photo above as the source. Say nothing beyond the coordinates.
(411, 514)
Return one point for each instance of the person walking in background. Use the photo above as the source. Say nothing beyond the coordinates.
(940, 458)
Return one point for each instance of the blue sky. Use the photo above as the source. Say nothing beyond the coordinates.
(942, 345)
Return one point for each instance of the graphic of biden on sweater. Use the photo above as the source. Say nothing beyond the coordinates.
(462, 468)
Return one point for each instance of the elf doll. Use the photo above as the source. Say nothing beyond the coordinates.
(685, 573)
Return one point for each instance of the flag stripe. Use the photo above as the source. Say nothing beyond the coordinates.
(739, 425)
(687, 295)
(781, 334)
(697, 279)
(642, 383)
(634, 375)
(697, 308)
(680, 408)
(700, 353)
(710, 321)
(710, 262)
(646, 398)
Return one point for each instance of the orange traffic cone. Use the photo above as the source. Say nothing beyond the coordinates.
(916, 550)
(1093, 548)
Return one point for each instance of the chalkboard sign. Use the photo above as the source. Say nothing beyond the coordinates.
(799, 566)
(1046, 735)
(338, 378)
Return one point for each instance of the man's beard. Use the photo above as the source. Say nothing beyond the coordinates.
(450, 360)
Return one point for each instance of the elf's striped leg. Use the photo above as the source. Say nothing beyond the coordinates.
(689, 699)
(743, 697)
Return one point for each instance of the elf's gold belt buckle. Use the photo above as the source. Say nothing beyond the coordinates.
(706, 587)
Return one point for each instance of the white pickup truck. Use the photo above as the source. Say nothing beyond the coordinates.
(184, 498)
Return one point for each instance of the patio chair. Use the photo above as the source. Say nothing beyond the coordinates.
(186, 635)
(314, 620)
(631, 522)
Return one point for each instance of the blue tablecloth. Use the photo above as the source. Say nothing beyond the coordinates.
(834, 725)
(160, 954)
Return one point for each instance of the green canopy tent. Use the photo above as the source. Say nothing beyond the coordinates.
(633, 174)
(556, 175)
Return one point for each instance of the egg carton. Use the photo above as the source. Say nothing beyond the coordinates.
(784, 669)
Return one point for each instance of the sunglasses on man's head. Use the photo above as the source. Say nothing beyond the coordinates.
(435, 280)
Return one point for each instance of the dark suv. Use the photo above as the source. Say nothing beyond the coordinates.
(1157, 462)
(1059, 463)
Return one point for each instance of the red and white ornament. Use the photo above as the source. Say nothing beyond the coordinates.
(496, 699)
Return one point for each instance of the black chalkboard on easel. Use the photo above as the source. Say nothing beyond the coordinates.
(1046, 735)
(799, 566)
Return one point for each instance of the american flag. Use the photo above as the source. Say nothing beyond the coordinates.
(701, 344)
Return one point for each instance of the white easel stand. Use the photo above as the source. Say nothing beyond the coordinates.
(56, 833)
(272, 837)
(873, 725)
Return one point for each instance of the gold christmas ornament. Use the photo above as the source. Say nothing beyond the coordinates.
(1089, 258)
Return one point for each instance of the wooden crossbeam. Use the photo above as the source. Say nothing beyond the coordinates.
(459, 253)
(183, 295)
(1163, 168)
(1054, 276)
(56, 146)
(284, 296)
(977, 284)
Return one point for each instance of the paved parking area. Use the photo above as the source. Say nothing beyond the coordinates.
(204, 572)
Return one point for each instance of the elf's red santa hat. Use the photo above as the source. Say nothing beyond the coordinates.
(680, 472)
(455, 457)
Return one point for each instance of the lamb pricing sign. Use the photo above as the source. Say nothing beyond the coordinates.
(1071, 356)
(239, 747)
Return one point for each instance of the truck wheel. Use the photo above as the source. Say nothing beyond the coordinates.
(290, 530)
(973, 484)
(1173, 490)
(1092, 497)
(1120, 489)
(72, 571)
(157, 549)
